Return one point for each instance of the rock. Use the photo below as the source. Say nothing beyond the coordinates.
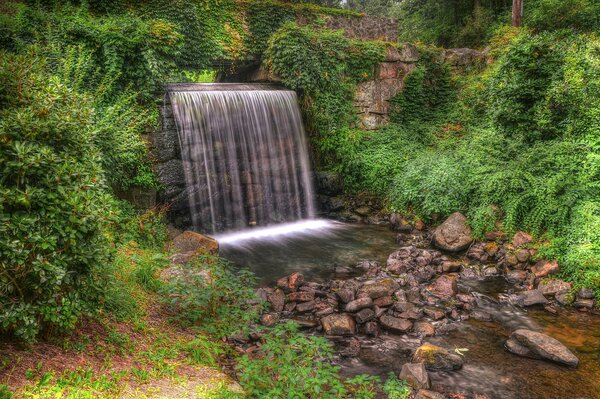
(451, 266)
(395, 324)
(461, 57)
(384, 301)
(346, 295)
(490, 271)
(192, 242)
(481, 315)
(352, 348)
(398, 223)
(277, 300)
(426, 394)
(416, 375)
(364, 316)
(269, 319)
(540, 346)
(408, 53)
(454, 234)
(338, 324)
(531, 298)
(420, 225)
(290, 283)
(563, 298)
(305, 307)
(329, 183)
(522, 255)
(543, 268)
(358, 304)
(434, 313)
(306, 322)
(584, 303)
(585, 293)
(363, 211)
(554, 286)
(437, 358)
(424, 329)
(301, 296)
(413, 295)
(372, 329)
(379, 288)
(516, 276)
(444, 287)
(521, 238)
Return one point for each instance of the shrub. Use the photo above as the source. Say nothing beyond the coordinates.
(53, 205)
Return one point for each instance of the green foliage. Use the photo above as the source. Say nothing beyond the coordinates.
(212, 296)
(295, 365)
(5, 392)
(396, 388)
(582, 15)
(53, 205)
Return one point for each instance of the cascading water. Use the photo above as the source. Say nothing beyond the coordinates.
(244, 155)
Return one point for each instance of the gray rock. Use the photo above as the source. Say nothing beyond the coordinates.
(359, 304)
(416, 375)
(585, 293)
(540, 346)
(454, 234)
(554, 286)
(395, 324)
(531, 298)
(364, 316)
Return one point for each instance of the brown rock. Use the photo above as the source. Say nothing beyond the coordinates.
(451, 266)
(554, 286)
(395, 324)
(301, 296)
(305, 307)
(291, 283)
(444, 287)
(190, 241)
(416, 375)
(419, 225)
(434, 313)
(544, 267)
(372, 329)
(531, 298)
(522, 255)
(521, 238)
(269, 319)
(379, 288)
(364, 316)
(541, 346)
(359, 304)
(424, 329)
(516, 276)
(338, 324)
(384, 301)
(426, 394)
(437, 358)
(277, 300)
(454, 234)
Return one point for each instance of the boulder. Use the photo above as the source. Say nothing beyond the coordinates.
(359, 304)
(395, 324)
(416, 375)
(554, 286)
(454, 234)
(444, 287)
(544, 267)
(277, 300)
(338, 324)
(531, 298)
(364, 316)
(291, 283)
(521, 238)
(192, 242)
(437, 358)
(301, 296)
(536, 345)
(379, 288)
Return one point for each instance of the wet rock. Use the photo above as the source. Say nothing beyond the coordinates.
(437, 358)
(540, 346)
(301, 296)
(358, 304)
(379, 288)
(399, 223)
(277, 300)
(338, 324)
(531, 298)
(466, 298)
(269, 319)
(454, 234)
(424, 329)
(364, 316)
(543, 268)
(426, 394)
(290, 283)
(434, 313)
(563, 298)
(521, 238)
(481, 315)
(190, 242)
(584, 303)
(554, 286)
(395, 324)
(444, 287)
(416, 375)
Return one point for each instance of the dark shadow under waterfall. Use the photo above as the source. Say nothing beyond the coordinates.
(244, 155)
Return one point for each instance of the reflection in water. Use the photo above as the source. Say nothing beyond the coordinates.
(489, 369)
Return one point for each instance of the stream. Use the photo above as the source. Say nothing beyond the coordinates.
(321, 252)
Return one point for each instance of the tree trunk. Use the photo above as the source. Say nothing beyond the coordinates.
(517, 12)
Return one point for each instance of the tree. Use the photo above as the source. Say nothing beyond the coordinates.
(517, 13)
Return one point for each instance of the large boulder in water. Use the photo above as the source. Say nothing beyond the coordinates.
(454, 234)
(437, 358)
(190, 241)
(536, 345)
(416, 375)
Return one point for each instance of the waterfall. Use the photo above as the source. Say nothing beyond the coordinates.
(244, 155)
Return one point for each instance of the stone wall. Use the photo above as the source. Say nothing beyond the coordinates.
(366, 27)
(372, 98)
(166, 155)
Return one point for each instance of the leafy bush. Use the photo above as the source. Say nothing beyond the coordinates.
(396, 388)
(53, 205)
(583, 15)
(209, 294)
(292, 364)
